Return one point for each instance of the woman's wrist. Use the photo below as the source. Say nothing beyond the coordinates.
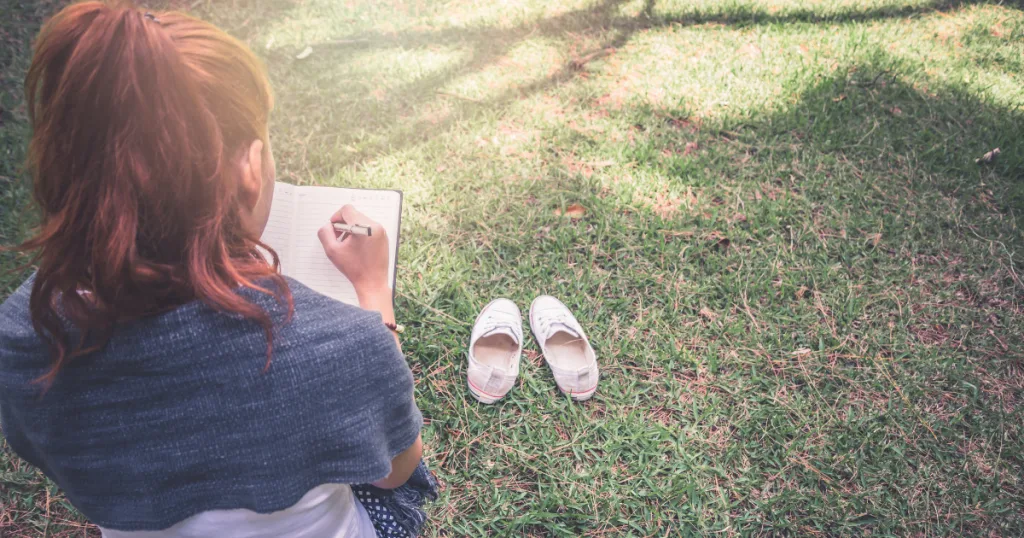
(378, 299)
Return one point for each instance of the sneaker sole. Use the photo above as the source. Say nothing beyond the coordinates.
(580, 396)
(481, 396)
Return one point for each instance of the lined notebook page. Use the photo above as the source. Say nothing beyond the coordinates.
(311, 209)
(278, 232)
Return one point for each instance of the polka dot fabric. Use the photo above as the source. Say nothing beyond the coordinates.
(383, 520)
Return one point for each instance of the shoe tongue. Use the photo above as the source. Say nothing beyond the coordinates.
(562, 327)
(501, 329)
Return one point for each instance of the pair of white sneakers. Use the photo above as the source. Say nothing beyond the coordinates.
(496, 345)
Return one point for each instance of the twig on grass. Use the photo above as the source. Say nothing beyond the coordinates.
(581, 62)
(746, 307)
(873, 81)
(907, 401)
(432, 309)
(457, 96)
(344, 42)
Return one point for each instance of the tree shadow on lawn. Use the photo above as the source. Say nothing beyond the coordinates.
(605, 14)
(911, 384)
(392, 119)
(827, 334)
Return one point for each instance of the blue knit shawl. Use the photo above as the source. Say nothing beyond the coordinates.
(177, 414)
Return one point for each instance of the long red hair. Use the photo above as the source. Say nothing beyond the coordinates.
(138, 121)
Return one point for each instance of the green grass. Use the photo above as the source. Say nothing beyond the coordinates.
(806, 297)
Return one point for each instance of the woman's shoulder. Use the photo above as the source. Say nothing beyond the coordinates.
(320, 325)
(16, 328)
(16, 305)
(315, 312)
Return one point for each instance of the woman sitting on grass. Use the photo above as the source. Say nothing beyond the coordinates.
(156, 366)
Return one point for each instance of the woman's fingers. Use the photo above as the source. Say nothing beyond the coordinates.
(329, 238)
(350, 215)
(363, 259)
(347, 214)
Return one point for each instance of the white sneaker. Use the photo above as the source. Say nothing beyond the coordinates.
(565, 347)
(495, 347)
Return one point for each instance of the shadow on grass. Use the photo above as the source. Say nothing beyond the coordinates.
(604, 15)
(391, 122)
(858, 228)
(852, 348)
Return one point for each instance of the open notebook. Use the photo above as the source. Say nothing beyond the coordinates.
(298, 212)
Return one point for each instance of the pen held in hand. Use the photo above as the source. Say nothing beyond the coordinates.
(354, 229)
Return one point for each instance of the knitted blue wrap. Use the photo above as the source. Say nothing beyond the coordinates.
(177, 414)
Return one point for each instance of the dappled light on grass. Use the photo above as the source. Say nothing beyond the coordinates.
(524, 63)
(789, 10)
(782, 222)
(981, 50)
(804, 294)
(501, 13)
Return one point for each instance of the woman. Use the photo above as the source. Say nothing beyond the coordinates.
(156, 366)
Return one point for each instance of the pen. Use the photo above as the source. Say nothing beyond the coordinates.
(355, 229)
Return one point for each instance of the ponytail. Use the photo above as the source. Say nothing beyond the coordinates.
(137, 123)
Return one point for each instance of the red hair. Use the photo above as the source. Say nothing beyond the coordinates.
(138, 123)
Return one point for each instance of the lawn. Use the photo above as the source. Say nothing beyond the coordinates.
(805, 295)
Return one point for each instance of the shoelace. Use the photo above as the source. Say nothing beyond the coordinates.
(500, 320)
(551, 321)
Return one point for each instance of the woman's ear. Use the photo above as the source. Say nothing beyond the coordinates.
(251, 180)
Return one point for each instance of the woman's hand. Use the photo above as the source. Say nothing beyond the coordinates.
(363, 259)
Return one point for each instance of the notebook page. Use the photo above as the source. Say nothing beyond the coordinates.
(278, 233)
(314, 207)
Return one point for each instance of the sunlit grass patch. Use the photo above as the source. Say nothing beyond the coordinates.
(804, 292)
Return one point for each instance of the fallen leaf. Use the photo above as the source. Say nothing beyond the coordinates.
(718, 239)
(708, 314)
(874, 239)
(739, 217)
(664, 205)
(988, 157)
(691, 147)
(304, 54)
(574, 211)
(749, 50)
(679, 123)
(801, 292)
(677, 233)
